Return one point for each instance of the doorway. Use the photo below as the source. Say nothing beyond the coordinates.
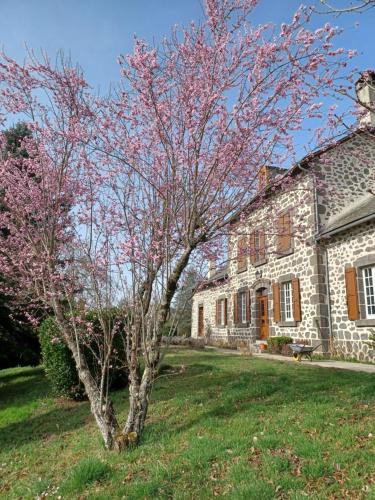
(263, 316)
(200, 322)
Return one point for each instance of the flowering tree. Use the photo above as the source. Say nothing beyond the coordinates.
(118, 196)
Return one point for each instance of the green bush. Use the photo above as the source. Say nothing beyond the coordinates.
(60, 366)
(276, 344)
(58, 362)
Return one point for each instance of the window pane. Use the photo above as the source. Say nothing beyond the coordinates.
(288, 306)
(242, 307)
(369, 282)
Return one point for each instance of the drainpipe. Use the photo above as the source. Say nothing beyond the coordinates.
(325, 256)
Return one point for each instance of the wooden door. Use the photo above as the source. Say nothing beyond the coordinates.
(200, 322)
(263, 316)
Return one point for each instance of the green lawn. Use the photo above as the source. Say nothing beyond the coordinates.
(219, 426)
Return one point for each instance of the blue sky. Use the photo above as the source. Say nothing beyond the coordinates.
(95, 32)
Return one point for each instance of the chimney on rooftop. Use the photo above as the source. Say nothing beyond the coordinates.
(211, 268)
(365, 90)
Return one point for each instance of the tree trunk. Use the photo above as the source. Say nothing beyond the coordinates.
(139, 397)
(140, 387)
(101, 406)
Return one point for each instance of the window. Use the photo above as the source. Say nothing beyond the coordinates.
(242, 307)
(288, 301)
(221, 312)
(369, 290)
(284, 233)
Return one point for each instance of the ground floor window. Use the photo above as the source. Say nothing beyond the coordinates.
(242, 307)
(369, 289)
(221, 312)
(288, 301)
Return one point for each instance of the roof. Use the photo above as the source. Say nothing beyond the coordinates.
(362, 210)
(300, 166)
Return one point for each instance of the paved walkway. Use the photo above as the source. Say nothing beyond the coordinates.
(340, 365)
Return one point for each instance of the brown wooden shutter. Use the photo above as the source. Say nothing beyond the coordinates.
(276, 302)
(248, 307)
(253, 255)
(296, 296)
(352, 293)
(235, 308)
(217, 313)
(241, 253)
(262, 244)
(284, 241)
(225, 312)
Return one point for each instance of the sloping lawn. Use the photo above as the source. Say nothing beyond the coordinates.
(218, 426)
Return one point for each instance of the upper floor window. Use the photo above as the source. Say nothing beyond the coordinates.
(257, 246)
(284, 233)
(369, 290)
(241, 253)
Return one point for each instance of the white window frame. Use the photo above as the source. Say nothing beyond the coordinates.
(222, 312)
(242, 307)
(368, 275)
(288, 301)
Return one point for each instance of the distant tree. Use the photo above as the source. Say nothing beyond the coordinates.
(18, 342)
(183, 302)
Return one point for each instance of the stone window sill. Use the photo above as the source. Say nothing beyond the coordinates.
(288, 323)
(242, 325)
(260, 263)
(284, 254)
(365, 322)
(239, 271)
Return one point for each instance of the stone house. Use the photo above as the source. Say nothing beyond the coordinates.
(302, 262)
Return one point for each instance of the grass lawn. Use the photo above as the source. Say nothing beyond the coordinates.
(220, 426)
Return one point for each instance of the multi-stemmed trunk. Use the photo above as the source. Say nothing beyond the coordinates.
(140, 386)
(101, 405)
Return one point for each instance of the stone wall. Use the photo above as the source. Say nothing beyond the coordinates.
(352, 248)
(345, 174)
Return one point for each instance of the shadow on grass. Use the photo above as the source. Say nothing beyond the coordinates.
(253, 388)
(8, 375)
(45, 426)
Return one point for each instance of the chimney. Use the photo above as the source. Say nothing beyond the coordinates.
(263, 177)
(365, 90)
(211, 268)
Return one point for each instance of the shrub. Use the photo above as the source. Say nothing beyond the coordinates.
(279, 345)
(58, 362)
(60, 366)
